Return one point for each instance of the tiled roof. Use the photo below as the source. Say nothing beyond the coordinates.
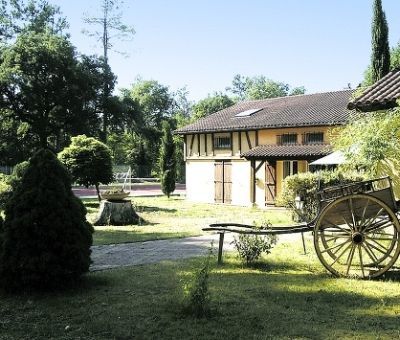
(293, 111)
(381, 95)
(296, 151)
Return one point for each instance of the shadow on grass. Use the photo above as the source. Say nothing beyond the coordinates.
(103, 237)
(143, 208)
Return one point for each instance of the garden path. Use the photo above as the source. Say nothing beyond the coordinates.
(138, 253)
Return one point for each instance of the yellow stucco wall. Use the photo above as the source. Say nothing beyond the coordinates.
(200, 165)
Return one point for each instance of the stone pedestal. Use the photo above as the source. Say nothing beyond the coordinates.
(116, 213)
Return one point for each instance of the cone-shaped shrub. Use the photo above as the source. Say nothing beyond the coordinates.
(45, 240)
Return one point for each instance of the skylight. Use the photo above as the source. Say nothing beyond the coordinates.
(247, 113)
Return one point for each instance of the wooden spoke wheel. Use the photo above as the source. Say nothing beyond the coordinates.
(357, 236)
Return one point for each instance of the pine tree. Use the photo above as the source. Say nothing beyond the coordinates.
(167, 160)
(45, 240)
(380, 59)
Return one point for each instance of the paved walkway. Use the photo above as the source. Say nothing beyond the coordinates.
(137, 253)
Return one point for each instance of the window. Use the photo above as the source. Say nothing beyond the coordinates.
(313, 138)
(222, 142)
(289, 168)
(247, 113)
(287, 138)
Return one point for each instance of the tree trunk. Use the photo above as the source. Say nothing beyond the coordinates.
(116, 213)
(98, 191)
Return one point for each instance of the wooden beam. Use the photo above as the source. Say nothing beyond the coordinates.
(191, 145)
(205, 143)
(256, 137)
(253, 181)
(212, 144)
(248, 140)
(231, 136)
(240, 141)
(259, 166)
(184, 147)
(198, 144)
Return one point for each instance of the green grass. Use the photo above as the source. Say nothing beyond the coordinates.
(163, 218)
(286, 296)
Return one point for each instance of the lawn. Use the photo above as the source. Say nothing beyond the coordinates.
(286, 296)
(163, 218)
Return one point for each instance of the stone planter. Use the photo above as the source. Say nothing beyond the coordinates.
(117, 196)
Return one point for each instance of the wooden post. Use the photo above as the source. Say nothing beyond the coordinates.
(253, 182)
(256, 137)
(198, 144)
(205, 144)
(231, 136)
(220, 246)
(240, 141)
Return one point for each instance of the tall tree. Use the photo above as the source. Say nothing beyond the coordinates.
(42, 83)
(260, 87)
(380, 58)
(17, 16)
(211, 104)
(167, 161)
(112, 28)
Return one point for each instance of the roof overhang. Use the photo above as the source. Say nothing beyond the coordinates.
(287, 152)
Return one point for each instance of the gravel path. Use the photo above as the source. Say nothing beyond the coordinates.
(137, 253)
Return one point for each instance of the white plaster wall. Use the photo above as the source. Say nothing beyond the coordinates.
(200, 181)
(241, 183)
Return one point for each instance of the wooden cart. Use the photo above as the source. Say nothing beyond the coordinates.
(356, 231)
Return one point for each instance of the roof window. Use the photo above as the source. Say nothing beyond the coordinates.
(247, 113)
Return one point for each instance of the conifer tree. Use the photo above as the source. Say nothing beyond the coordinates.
(167, 161)
(45, 240)
(380, 59)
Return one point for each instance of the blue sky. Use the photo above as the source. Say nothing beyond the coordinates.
(320, 44)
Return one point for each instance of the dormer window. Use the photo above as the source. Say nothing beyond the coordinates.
(222, 141)
(313, 138)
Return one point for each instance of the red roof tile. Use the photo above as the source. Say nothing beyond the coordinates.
(295, 151)
(320, 109)
(381, 95)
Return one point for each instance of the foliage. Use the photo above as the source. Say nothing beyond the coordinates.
(45, 241)
(380, 58)
(211, 104)
(33, 15)
(198, 295)
(306, 186)
(394, 63)
(43, 83)
(260, 87)
(167, 161)
(250, 247)
(89, 162)
(370, 142)
(5, 190)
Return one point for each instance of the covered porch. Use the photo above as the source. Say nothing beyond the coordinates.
(270, 164)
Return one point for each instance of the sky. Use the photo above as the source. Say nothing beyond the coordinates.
(323, 45)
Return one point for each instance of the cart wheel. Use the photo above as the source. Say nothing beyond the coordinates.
(357, 236)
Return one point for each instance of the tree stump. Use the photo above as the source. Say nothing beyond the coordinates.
(116, 213)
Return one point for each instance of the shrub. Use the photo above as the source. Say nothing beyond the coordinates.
(307, 184)
(198, 300)
(250, 247)
(5, 190)
(89, 162)
(45, 241)
(9, 183)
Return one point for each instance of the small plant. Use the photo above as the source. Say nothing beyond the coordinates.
(250, 247)
(198, 295)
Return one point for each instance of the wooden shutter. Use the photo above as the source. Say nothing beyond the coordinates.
(227, 182)
(219, 182)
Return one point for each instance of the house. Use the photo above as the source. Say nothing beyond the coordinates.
(240, 155)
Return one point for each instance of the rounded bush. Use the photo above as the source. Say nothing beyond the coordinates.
(45, 241)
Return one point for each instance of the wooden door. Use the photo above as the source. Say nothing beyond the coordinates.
(270, 183)
(227, 182)
(223, 182)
